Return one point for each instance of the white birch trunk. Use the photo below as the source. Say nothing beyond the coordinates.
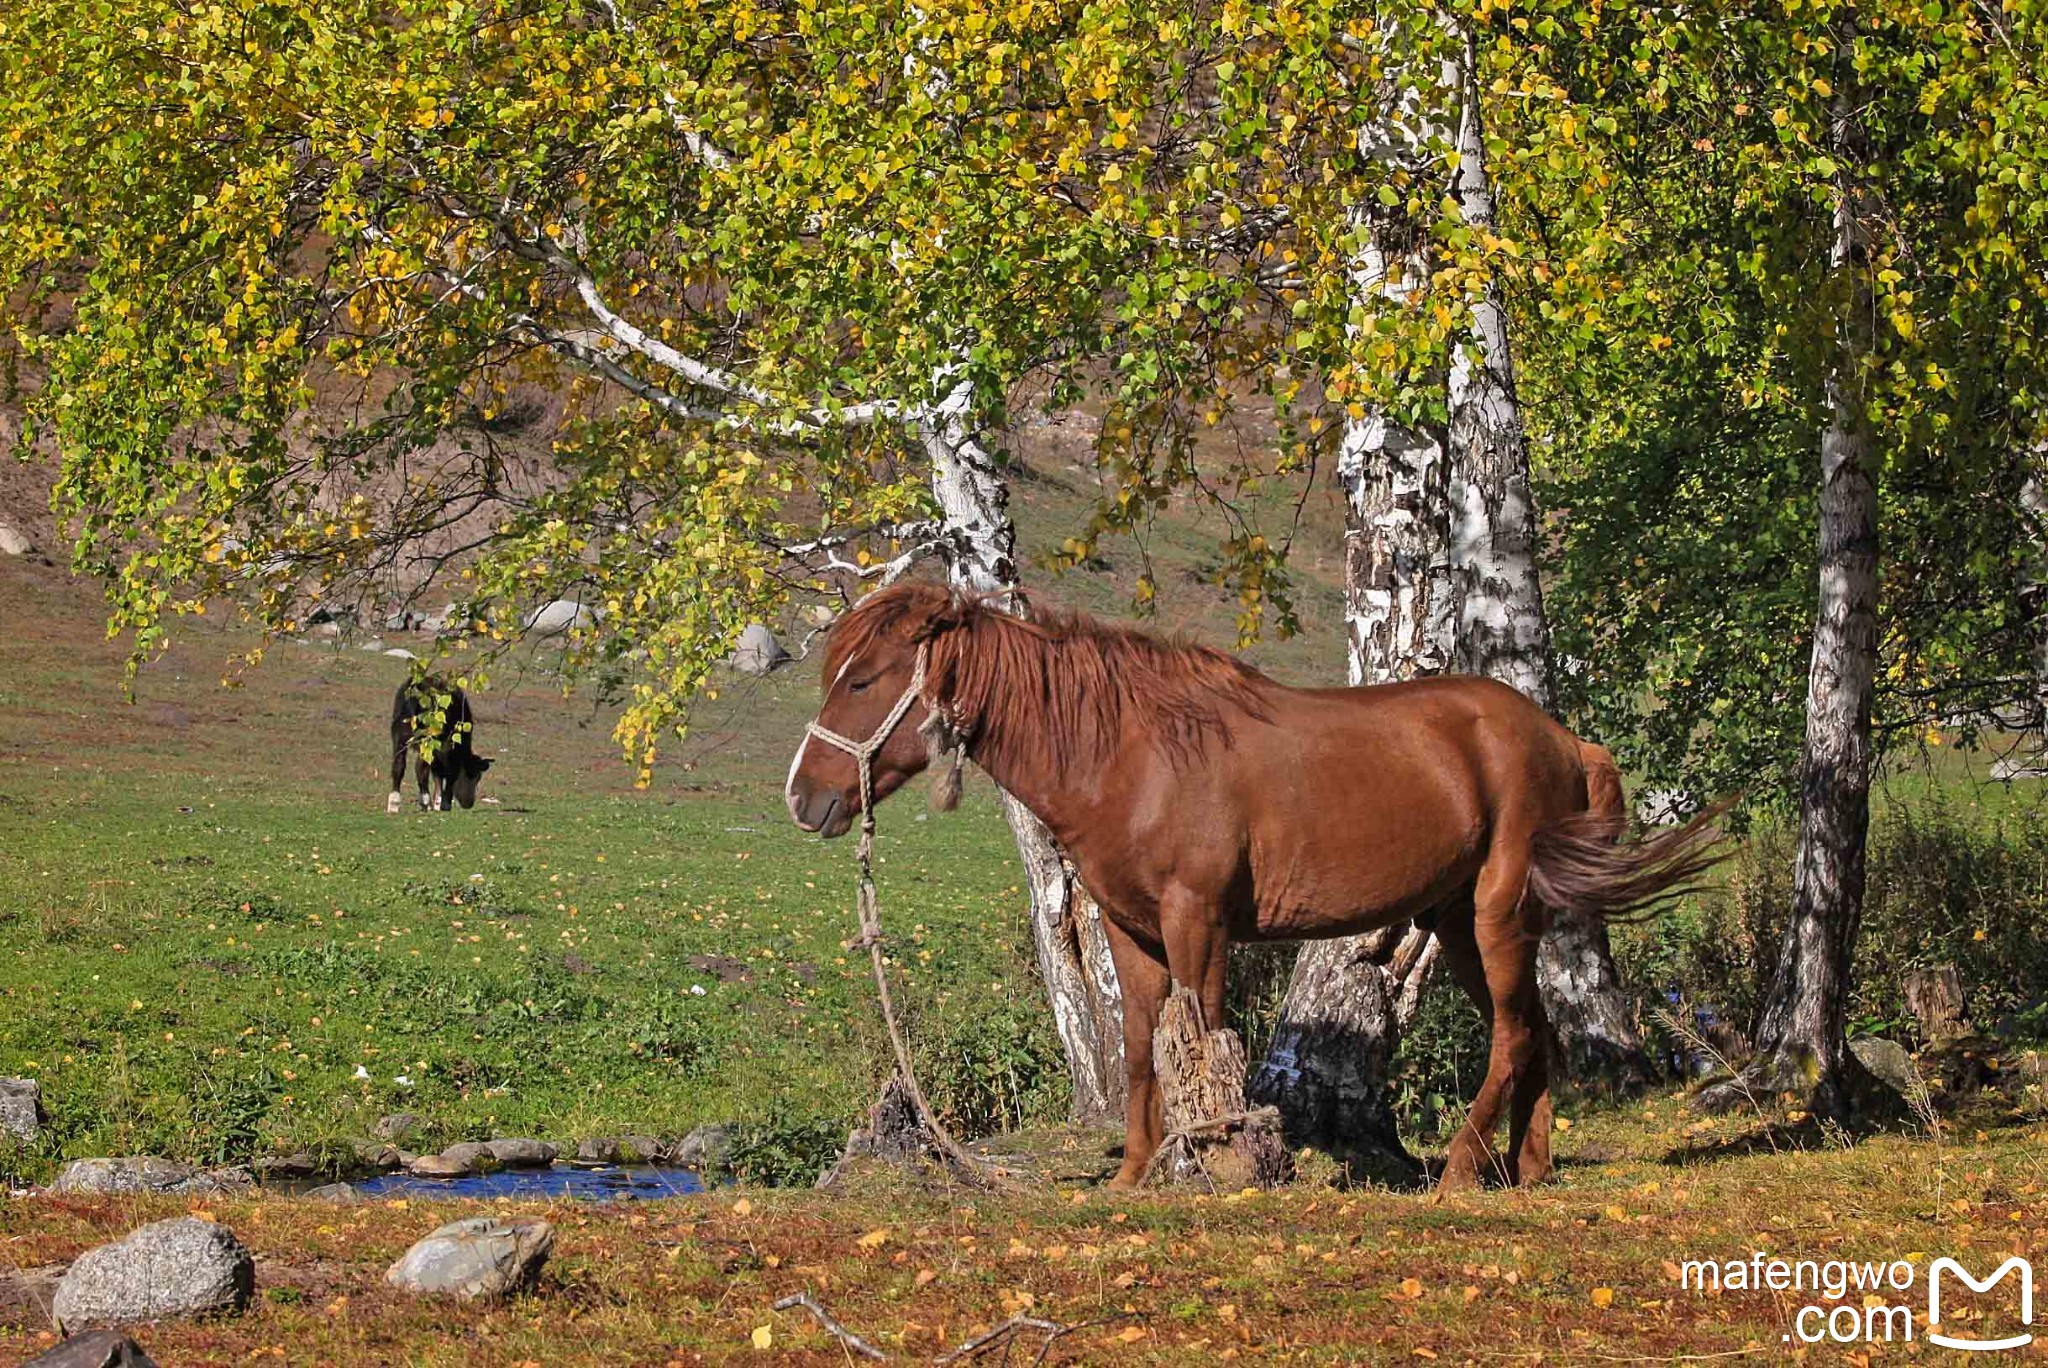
(1502, 631)
(1066, 925)
(1801, 1036)
(1341, 1020)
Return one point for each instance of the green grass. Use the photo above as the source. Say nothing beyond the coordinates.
(208, 923)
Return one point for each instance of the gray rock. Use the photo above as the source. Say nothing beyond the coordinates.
(1889, 1062)
(377, 1155)
(708, 1149)
(323, 631)
(758, 652)
(478, 1158)
(338, 1193)
(145, 1173)
(396, 1127)
(559, 616)
(437, 1166)
(523, 1153)
(374, 644)
(300, 1165)
(179, 1267)
(21, 1107)
(621, 1149)
(100, 1349)
(479, 1257)
(404, 620)
(400, 653)
(14, 542)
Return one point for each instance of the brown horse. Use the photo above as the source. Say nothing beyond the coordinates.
(1202, 802)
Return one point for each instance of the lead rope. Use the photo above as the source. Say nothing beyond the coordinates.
(868, 908)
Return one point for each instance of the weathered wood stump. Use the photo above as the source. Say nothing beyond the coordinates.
(1212, 1137)
(1935, 998)
(896, 1137)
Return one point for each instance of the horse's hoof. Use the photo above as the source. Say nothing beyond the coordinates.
(393, 803)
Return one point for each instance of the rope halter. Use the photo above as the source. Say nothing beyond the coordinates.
(864, 752)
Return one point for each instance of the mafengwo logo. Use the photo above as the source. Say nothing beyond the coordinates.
(1937, 1335)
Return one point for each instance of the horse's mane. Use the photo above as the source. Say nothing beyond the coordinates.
(1061, 683)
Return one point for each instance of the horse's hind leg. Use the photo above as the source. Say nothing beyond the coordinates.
(423, 775)
(1494, 957)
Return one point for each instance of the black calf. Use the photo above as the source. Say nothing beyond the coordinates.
(455, 769)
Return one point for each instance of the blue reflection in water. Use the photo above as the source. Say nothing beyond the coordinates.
(641, 1182)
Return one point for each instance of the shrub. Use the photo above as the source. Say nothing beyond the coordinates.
(786, 1150)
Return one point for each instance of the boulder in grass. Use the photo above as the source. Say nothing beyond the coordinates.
(341, 1194)
(479, 1257)
(147, 1173)
(396, 1127)
(516, 1153)
(175, 1268)
(14, 542)
(562, 615)
(707, 1149)
(21, 1107)
(758, 652)
(99, 1349)
(437, 1166)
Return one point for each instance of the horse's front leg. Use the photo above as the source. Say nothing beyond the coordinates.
(1142, 981)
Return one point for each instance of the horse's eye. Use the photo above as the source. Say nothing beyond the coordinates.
(859, 686)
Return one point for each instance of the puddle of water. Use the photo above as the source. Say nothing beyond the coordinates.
(639, 1183)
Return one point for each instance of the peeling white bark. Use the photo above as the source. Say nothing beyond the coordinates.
(1066, 924)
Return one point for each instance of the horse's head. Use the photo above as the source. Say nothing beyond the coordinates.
(871, 672)
(468, 777)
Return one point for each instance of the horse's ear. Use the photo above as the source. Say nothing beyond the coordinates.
(948, 616)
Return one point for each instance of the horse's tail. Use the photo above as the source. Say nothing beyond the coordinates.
(1580, 864)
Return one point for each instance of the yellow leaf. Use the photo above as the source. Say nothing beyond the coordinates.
(1132, 1334)
(1603, 1296)
(925, 1276)
(1564, 1123)
(1423, 1353)
(1411, 1288)
(874, 1239)
(742, 1207)
(764, 1336)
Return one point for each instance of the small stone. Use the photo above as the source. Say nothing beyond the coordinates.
(146, 1173)
(374, 644)
(523, 1153)
(100, 1349)
(404, 620)
(599, 1150)
(707, 1149)
(377, 1155)
(475, 1156)
(479, 1257)
(179, 1267)
(14, 542)
(300, 1165)
(396, 1127)
(757, 652)
(21, 1107)
(338, 1193)
(400, 653)
(437, 1166)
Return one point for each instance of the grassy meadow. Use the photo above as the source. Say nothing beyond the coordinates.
(208, 925)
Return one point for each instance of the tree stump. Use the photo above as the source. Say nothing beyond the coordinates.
(1212, 1137)
(895, 1137)
(1935, 998)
